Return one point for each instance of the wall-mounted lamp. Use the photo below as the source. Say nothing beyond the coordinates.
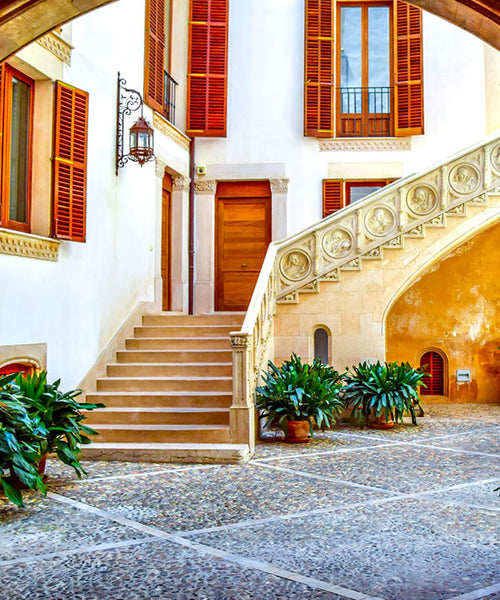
(141, 142)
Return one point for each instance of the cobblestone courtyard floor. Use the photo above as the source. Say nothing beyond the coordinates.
(406, 514)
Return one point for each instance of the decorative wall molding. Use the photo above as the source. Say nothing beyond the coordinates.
(279, 186)
(56, 46)
(365, 144)
(180, 183)
(163, 126)
(160, 168)
(205, 186)
(26, 244)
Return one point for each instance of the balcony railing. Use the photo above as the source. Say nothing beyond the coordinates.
(169, 88)
(365, 112)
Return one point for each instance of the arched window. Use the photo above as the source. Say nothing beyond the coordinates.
(321, 345)
(435, 366)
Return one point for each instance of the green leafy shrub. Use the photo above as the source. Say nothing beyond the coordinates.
(37, 418)
(383, 390)
(300, 392)
(56, 415)
(19, 445)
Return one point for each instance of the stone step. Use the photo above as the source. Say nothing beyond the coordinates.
(140, 415)
(233, 320)
(169, 453)
(170, 370)
(182, 343)
(158, 384)
(173, 356)
(182, 331)
(199, 434)
(208, 399)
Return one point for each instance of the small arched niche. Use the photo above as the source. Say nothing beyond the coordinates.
(436, 364)
(321, 344)
(23, 366)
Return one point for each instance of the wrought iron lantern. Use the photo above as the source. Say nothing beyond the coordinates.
(141, 141)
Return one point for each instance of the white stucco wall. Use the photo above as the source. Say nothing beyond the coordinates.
(78, 303)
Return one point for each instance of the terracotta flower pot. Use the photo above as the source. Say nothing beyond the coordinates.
(298, 432)
(380, 422)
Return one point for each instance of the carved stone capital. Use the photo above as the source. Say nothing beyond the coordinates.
(160, 168)
(25, 244)
(241, 340)
(205, 186)
(279, 186)
(180, 183)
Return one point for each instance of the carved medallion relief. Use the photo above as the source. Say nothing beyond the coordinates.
(380, 221)
(495, 158)
(295, 265)
(421, 200)
(464, 179)
(337, 243)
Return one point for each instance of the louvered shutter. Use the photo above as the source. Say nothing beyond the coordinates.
(207, 68)
(70, 163)
(319, 68)
(154, 54)
(333, 196)
(409, 91)
(435, 368)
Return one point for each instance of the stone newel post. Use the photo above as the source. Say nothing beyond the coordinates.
(242, 412)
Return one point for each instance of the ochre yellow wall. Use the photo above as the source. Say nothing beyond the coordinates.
(455, 307)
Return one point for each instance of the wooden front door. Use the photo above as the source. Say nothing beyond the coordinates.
(165, 240)
(243, 233)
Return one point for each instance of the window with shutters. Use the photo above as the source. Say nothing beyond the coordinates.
(338, 193)
(69, 174)
(159, 86)
(363, 69)
(207, 68)
(436, 366)
(16, 127)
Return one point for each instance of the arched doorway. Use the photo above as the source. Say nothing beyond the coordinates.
(435, 364)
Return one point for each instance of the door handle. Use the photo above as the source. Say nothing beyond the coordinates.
(244, 265)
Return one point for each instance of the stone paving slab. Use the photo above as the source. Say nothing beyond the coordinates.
(212, 497)
(60, 474)
(406, 550)
(482, 497)
(486, 440)
(398, 468)
(46, 526)
(150, 571)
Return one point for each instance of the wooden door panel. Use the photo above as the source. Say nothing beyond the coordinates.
(242, 237)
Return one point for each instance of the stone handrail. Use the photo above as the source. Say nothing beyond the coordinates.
(360, 231)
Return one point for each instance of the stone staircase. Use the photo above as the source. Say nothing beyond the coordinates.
(169, 392)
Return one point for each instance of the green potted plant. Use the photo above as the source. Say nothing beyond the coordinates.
(296, 396)
(19, 443)
(57, 416)
(381, 393)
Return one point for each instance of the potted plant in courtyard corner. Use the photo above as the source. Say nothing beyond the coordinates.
(381, 393)
(295, 396)
(57, 416)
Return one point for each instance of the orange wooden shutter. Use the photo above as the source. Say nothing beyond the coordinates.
(408, 69)
(207, 68)
(70, 163)
(333, 196)
(435, 380)
(319, 68)
(154, 54)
